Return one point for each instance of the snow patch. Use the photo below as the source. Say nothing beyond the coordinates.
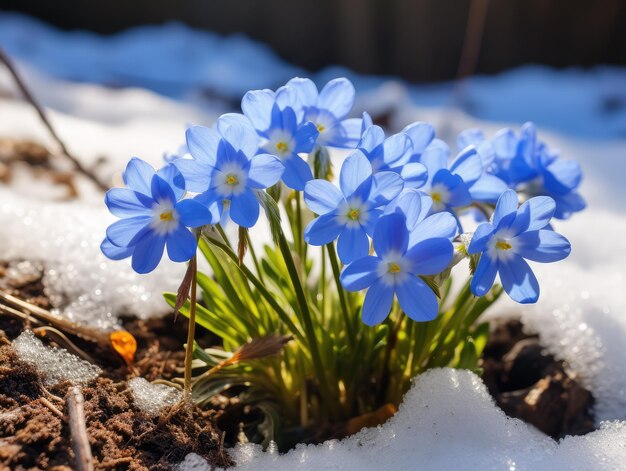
(448, 420)
(153, 398)
(54, 364)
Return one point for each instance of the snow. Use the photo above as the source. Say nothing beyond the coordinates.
(581, 315)
(447, 421)
(54, 364)
(153, 398)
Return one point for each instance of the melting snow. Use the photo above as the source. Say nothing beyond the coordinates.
(152, 398)
(54, 364)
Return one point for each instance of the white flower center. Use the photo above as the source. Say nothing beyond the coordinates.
(354, 213)
(280, 143)
(230, 180)
(501, 246)
(440, 195)
(394, 268)
(164, 217)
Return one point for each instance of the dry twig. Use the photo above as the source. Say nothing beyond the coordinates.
(78, 429)
(4, 58)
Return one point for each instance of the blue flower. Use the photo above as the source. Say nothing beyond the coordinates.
(283, 135)
(462, 182)
(154, 216)
(351, 212)
(400, 258)
(529, 166)
(328, 110)
(513, 235)
(393, 154)
(227, 171)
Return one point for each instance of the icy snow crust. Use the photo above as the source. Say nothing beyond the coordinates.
(153, 398)
(448, 420)
(54, 364)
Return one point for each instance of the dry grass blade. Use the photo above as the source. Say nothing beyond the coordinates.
(258, 347)
(183, 290)
(242, 245)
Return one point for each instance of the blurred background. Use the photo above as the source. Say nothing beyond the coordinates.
(560, 63)
(418, 40)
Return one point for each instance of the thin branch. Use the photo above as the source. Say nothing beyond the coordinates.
(78, 430)
(4, 58)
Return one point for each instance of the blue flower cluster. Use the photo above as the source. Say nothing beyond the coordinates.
(394, 213)
(529, 166)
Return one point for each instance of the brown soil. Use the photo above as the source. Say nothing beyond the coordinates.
(530, 384)
(33, 428)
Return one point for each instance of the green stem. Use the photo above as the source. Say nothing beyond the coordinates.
(191, 330)
(262, 290)
(255, 260)
(332, 255)
(307, 321)
(298, 236)
(323, 285)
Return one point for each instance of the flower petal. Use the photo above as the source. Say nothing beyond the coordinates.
(124, 202)
(244, 208)
(323, 230)
(468, 165)
(518, 280)
(181, 244)
(240, 136)
(391, 234)
(469, 137)
(488, 188)
(371, 138)
(138, 176)
(257, 106)
(264, 170)
(355, 175)
(562, 176)
(438, 225)
(202, 144)
(533, 214)
(161, 190)
(305, 90)
(409, 204)
(305, 138)
(484, 276)
(337, 96)
(321, 196)
(385, 187)
(148, 252)
(417, 299)
(353, 243)
(421, 135)
(127, 232)
(377, 303)
(196, 173)
(174, 178)
(194, 214)
(297, 173)
(506, 209)
(414, 174)
(543, 246)
(360, 274)
(114, 252)
(430, 256)
(481, 236)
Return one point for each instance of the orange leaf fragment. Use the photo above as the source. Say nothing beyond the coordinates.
(124, 344)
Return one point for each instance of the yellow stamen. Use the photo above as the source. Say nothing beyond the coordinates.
(281, 146)
(166, 216)
(354, 214)
(321, 128)
(503, 245)
(394, 268)
(436, 196)
(231, 179)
